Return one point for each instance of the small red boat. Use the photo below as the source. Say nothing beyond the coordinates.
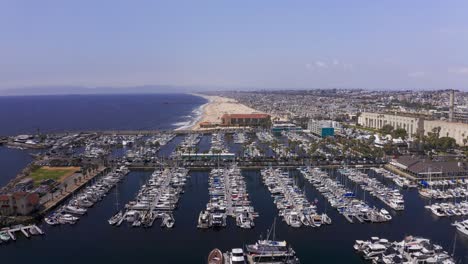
(215, 257)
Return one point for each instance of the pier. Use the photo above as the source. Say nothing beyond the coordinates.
(27, 231)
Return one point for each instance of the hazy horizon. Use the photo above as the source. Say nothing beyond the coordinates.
(156, 89)
(191, 45)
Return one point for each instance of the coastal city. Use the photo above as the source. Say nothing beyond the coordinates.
(234, 132)
(353, 158)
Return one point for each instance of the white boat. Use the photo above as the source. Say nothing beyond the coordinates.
(75, 210)
(204, 219)
(326, 219)
(293, 219)
(373, 251)
(385, 214)
(116, 218)
(462, 227)
(4, 236)
(236, 256)
(168, 221)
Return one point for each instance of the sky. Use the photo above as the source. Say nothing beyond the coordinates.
(284, 44)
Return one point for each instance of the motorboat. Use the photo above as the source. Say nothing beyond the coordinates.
(215, 257)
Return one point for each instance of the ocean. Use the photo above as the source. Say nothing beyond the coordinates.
(70, 113)
(93, 240)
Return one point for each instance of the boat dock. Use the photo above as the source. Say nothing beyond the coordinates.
(27, 231)
(291, 201)
(56, 200)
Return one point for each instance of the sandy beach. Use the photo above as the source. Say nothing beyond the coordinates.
(218, 106)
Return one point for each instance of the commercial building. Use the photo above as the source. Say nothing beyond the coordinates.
(278, 128)
(424, 168)
(245, 119)
(321, 128)
(18, 203)
(412, 125)
(455, 130)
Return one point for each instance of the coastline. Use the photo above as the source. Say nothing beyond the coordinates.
(216, 107)
(199, 112)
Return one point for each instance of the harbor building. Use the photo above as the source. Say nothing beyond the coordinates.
(245, 119)
(321, 128)
(455, 130)
(18, 203)
(422, 168)
(413, 125)
(280, 127)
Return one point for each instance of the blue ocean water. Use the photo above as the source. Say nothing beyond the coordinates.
(63, 113)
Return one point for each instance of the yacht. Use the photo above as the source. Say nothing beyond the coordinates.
(293, 219)
(385, 214)
(271, 251)
(462, 227)
(326, 219)
(244, 221)
(204, 219)
(236, 256)
(426, 193)
(168, 221)
(116, 218)
(75, 210)
(218, 219)
(373, 251)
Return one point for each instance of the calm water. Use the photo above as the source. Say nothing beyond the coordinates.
(27, 114)
(12, 161)
(92, 240)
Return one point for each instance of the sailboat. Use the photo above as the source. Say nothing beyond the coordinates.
(115, 219)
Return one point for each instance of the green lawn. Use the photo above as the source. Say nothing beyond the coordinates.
(54, 173)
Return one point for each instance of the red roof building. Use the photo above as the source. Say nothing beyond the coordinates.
(245, 119)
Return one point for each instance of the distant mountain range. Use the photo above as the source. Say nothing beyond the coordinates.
(71, 90)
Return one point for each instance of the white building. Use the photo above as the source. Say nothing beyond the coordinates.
(412, 125)
(455, 130)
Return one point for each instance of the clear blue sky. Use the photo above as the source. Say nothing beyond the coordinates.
(420, 44)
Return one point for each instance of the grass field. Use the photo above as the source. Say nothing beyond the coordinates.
(55, 173)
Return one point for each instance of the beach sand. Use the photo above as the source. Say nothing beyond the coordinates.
(217, 107)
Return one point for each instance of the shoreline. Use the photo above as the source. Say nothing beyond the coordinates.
(215, 108)
(199, 112)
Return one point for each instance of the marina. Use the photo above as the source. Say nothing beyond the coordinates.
(390, 196)
(70, 212)
(228, 197)
(291, 202)
(343, 199)
(410, 250)
(309, 244)
(156, 199)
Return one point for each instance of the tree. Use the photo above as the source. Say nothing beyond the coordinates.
(400, 133)
(386, 129)
(446, 143)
